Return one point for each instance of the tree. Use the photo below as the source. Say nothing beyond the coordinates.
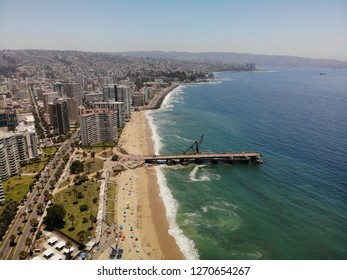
(30, 207)
(81, 236)
(49, 197)
(76, 167)
(83, 207)
(68, 246)
(33, 223)
(45, 193)
(28, 242)
(19, 230)
(55, 216)
(12, 240)
(40, 208)
(38, 191)
(7, 215)
(24, 215)
(72, 218)
(114, 158)
(23, 255)
(92, 154)
(92, 219)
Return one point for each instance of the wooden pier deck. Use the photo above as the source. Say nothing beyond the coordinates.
(243, 157)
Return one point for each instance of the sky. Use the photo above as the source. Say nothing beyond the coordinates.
(306, 28)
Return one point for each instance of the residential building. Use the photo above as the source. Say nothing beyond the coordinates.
(73, 110)
(97, 126)
(14, 148)
(2, 194)
(60, 115)
(124, 95)
(73, 90)
(116, 106)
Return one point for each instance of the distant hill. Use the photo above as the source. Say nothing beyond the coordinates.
(240, 58)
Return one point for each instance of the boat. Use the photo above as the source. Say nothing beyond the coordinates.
(322, 73)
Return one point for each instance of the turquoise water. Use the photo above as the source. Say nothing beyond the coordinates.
(294, 205)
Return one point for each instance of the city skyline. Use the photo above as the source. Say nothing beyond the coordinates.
(313, 29)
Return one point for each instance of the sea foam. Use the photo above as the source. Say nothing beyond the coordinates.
(167, 102)
(185, 244)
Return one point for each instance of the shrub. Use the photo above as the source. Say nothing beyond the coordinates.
(83, 207)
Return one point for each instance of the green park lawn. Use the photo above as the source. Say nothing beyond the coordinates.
(94, 166)
(63, 184)
(33, 167)
(67, 198)
(50, 150)
(16, 187)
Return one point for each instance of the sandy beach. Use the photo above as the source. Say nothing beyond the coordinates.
(139, 211)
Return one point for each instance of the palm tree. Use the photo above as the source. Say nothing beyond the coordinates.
(19, 230)
(34, 222)
(24, 215)
(23, 255)
(49, 197)
(92, 219)
(68, 245)
(45, 193)
(81, 236)
(30, 207)
(92, 154)
(72, 218)
(28, 242)
(40, 208)
(12, 239)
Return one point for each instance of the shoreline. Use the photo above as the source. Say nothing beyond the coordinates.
(167, 242)
(140, 213)
(158, 100)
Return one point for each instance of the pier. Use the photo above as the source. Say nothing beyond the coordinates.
(200, 158)
(185, 159)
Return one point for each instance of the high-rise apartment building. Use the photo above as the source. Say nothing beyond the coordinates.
(74, 90)
(119, 93)
(14, 148)
(59, 88)
(60, 115)
(124, 95)
(73, 110)
(115, 106)
(2, 194)
(97, 126)
(109, 92)
(8, 119)
(47, 98)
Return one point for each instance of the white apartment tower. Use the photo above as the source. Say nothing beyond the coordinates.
(97, 126)
(15, 147)
(115, 106)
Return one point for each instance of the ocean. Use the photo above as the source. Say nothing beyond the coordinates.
(294, 206)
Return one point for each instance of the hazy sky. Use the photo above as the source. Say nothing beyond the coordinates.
(309, 28)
